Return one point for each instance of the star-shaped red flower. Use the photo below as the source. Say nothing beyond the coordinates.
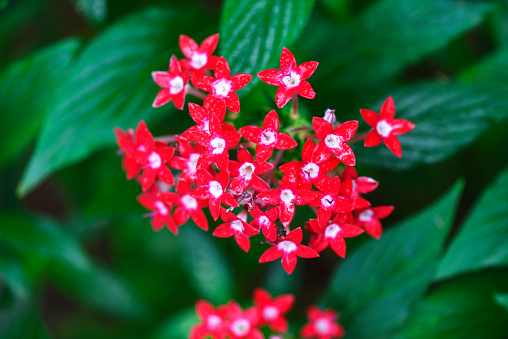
(322, 324)
(287, 196)
(223, 86)
(272, 310)
(288, 248)
(127, 143)
(245, 172)
(267, 137)
(333, 197)
(187, 160)
(333, 235)
(290, 78)
(213, 189)
(333, 141)
(242, 325)
(236, 227)
(173, 85)
(161, 210)
(265, 221)
(361, 185)
(213, 322)
(368, 218)
(385, 128)
(200, 57)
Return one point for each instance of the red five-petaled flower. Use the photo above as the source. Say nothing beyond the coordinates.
(245, 172)
(290, 78)
(333, 197)
(289, 248)
(198, 57)
(161, 210)
(268, 137)
(242, 325)
(361, 185)
(173, 85)
(272, 310)
(368, 218)
(333, 141)
(265, 221)
(223, 86)
(333, 234)
(385, 128)
(287, 196)
(235, 226)
(212, 321)
(213, 189)
(322, 324)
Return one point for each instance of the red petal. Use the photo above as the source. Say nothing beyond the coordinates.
(270, 232)
(284, 141)
(270, 198)
(305, 90)
(214, 207)
(321, 127)
(350, 231)
(187, 45)
(148, 178)
(283, 95)
(284, 302)
(252, 133)
(287, 212)
(228, 200)
(295, 236)
(373, 228)
(365, 185)
(198, 216)
(179, 100)
(373, 139)
(222, 69)
(215, 106)
(198, 113)
(231, 135)
(244, 155)
(162, 98)
(324, 216)
(270, 254)
(370, 117)
(201, 193)
(382, 212)
(224, 231)
(304, 197)
(271, 77)
(289, 262)
(279, 325)
(203, 82)
(271, 121)
(161, 78)
(233, 102)
(261, 297)
(165, 175)
(347, 130)
(307, 69)
(289, 181)
(393, 144)
(263, 152)
(346, 155)
(174, 66)
(223, 179)
(204, 309)
(242, 241)
(287, 61)
(240, 81)
(222, 161)
(209, 44)
(321, 154)
(305, 252)
(258, 184)
(401, 126)
(291, 166)
(308, 148)
(387, 111)
(338, 245)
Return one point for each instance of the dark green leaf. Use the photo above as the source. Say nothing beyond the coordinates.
(448, 117)
(483, 238)
(109, 85)
(13, 274)
(253, 32)
(378, 284)
(393, 34)
(462, 308)
(95, 11)
(493, 71)
(502, 299)
(208, 268)
(178, 326)
(25, 89)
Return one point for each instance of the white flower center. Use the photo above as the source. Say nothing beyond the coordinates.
(291, 80)
(218, 144)
(215, 189)
(247, 170)
(193, 162)
(237, 226)
(155, 160)
(263, 221)
(287, 196)
(366, 215)
(327, 201)
(383, 128)
(198, 60)
(222, 87)
(189, 202)
(286, 246)
(268, 137)
(240, 327)
(322, 326)
(213, 321)
(270, 312)
(175, 85)
(310, 171)
(161, 208)
(332, 231)
(333, 141)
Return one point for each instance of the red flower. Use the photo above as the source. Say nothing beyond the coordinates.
(333, 141)
(308, 171)
(288, 248)
(188, 206)
(290, 78)
(287, 196)
(265, 221)
(173, 85)
(198, 57)
(161, 214)
(217, 142)
(152, 156)
(242, 325)
(267, 138)
(223, 86)
(333, 197)
(127, 143)
(322, 324)
(368, 218)
(385, 128)
(333, 235)
(213, 189)
(212, 321)
(361, 185)
(203, 115)
(246, 171)
(237, 227)
(188, 160)
(272, 310)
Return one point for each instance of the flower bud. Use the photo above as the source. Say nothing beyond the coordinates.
(330, 116)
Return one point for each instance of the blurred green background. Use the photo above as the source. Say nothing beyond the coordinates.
(78, 260)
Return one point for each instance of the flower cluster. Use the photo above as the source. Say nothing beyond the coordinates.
(231, 321)
(238, 182)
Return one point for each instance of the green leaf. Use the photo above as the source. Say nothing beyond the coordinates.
(448, 117)
(208, 269)
(109, 85)
(493, 70)
(393, 34)
(178, 326)
(253, 32)
(462, 308)
(25, 89)
(502, 300)
(13, 274)
(95, 11)
(378, 284)
(483, 238)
